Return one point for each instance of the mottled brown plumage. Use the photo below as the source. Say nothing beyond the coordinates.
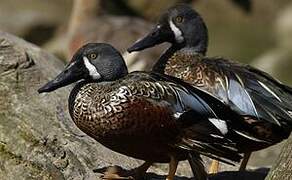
(121, 112)
(193, 69)
(149, 116)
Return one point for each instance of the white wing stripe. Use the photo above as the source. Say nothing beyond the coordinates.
(269, 90)
(220, 125)
(249, 137)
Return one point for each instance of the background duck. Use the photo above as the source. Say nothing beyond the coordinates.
(148, 116)
(263, 102)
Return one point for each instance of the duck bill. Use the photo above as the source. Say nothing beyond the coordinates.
(68, 76)
(157, 36)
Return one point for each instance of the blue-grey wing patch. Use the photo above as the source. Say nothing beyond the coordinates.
(239, 96)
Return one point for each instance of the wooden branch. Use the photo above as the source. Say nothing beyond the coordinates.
(282, 169)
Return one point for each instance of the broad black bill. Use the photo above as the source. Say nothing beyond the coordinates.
(160, 34)
(70, 75)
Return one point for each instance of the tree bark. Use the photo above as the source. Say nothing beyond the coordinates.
(282, 169)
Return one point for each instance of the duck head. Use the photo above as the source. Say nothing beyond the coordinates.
(94, 62)
(181, 26)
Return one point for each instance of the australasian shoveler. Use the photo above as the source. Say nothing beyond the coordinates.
(264, 103)
(145, 115)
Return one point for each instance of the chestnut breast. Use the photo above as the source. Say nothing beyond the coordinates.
(128, 117)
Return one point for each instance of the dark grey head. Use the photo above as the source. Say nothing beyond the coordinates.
(93, 62)
(181, 26)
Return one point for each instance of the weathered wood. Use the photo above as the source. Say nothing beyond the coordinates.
(282, 169)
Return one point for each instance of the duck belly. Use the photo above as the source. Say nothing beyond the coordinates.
(144, 148)
(140, 128)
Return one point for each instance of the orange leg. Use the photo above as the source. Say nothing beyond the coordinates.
(214, 168)
(172, 168)
(244, 161)
(113, 173)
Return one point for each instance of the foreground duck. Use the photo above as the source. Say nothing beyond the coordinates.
(264, 103)
(148, 116)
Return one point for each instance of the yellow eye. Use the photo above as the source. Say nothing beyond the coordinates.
(92, 56)
(179, 19)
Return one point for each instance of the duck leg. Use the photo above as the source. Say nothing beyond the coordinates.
(113, 173)
(140, 171)
(172, 168)
(214, 168)
(244, 162)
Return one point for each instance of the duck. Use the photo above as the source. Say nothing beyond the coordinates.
(144, 115)
(263, 102)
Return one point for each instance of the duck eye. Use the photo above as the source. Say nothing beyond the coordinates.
(179, 19)
(92, 56)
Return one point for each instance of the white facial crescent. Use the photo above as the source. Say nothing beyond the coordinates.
(91, 69)
(177, 32)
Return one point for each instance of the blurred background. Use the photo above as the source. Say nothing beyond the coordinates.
(257, 32)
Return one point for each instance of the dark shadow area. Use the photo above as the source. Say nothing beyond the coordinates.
(40, 33)
(245, 5)
(258, 174)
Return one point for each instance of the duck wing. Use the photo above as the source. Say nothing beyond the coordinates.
(203, 119)
(256, 95)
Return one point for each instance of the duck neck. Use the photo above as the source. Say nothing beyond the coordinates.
(177, 49)
(162, 61)
(196, 44)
